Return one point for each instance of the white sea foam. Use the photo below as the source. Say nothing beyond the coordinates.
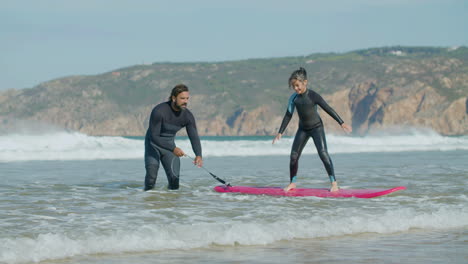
(75, 146)
(67, 146)
(155, 237)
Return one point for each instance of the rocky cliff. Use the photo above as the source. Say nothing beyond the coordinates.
(372, 90)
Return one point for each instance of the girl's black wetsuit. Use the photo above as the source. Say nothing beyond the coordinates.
(310, 125)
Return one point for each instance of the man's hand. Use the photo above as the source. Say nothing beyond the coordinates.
(198, 161)
(178, 152)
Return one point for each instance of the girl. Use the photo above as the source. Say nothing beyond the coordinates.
(310, 125)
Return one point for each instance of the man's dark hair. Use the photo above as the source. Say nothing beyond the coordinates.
(180, 88)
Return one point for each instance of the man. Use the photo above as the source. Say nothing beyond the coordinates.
(165, 121)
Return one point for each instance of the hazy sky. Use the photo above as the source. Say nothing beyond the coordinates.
(42, 40)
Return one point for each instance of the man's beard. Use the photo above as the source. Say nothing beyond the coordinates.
(180, 107)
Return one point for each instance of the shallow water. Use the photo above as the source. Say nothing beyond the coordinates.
(79, 199)
(96, 212)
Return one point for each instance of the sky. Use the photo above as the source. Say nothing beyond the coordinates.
(42, 40)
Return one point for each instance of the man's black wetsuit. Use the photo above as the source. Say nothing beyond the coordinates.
(159, 143)
(310, 125)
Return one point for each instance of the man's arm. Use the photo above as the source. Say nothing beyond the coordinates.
(194, 140)
(193, 135)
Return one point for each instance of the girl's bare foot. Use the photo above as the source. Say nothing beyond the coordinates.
(334, 187)
(292, 185)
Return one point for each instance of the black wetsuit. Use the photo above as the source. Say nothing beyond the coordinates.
(310, 125)
(159, 143)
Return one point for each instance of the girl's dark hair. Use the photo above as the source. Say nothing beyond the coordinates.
(180, 88)
(300, 75)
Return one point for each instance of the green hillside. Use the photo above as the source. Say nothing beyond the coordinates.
(228, 90)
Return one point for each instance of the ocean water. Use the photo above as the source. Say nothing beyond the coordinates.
(71, 198)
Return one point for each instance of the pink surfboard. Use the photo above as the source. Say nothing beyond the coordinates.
(322, 192)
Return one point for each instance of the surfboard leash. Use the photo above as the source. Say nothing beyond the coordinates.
(214, 176)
